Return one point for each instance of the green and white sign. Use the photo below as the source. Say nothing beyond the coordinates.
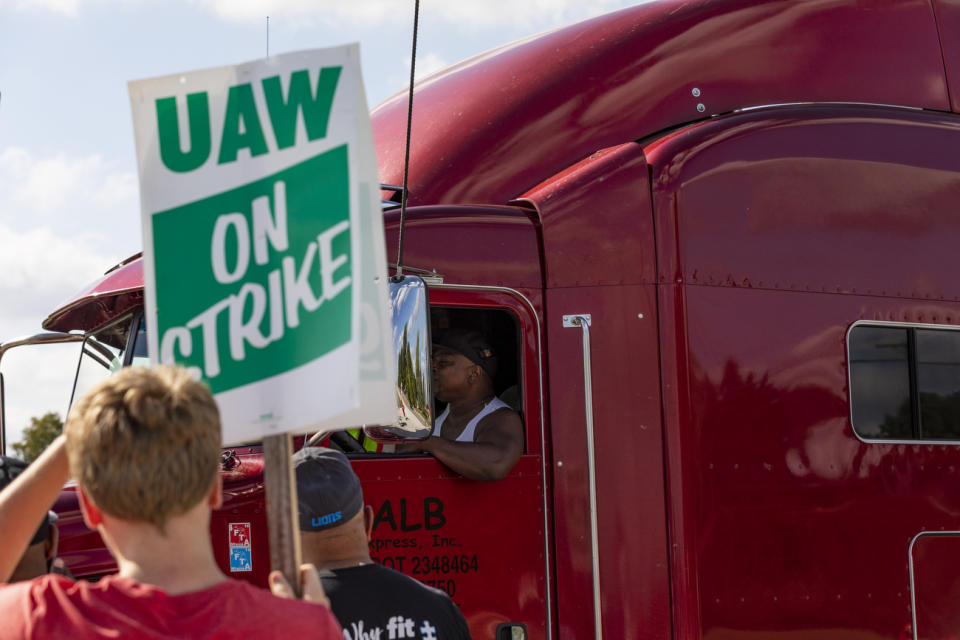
(264, 260)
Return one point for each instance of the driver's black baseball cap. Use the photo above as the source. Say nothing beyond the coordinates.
(10, 468)
(472, 345)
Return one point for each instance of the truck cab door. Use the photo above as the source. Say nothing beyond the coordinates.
(483, 543)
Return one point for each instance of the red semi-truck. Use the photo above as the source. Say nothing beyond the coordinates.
(712, 242)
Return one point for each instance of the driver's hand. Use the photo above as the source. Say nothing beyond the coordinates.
(419, 446)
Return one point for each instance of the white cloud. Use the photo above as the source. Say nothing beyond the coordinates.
(426, 64)
(37, 379)
(118, 189)
(63, 221)
(47, 184)
(536, 13)
(528, 15)
(296, 10)
(65, 7)
(40, 269)
(68, 8)
(71, 193)
(469, 13)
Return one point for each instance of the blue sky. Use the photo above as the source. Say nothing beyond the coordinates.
(68, 188)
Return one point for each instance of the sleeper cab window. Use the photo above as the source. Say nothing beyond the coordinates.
(904, 382)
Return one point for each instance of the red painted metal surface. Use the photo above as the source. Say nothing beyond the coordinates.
(634, 569)
(243, 501)
(494, 126)
(438, 238)
(82, 549)
(790, 524)
(776, 231)
(936, 565)
(482, 543)
(597, 221)
(681, 513)
(119, 290)
(796, 198)
(948, 23)
(493, 246)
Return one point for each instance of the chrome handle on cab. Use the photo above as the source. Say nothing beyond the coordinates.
(582, 320)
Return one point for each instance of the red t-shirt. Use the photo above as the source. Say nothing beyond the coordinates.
(114, 607)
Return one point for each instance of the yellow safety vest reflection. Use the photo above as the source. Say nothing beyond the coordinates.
(368, 444)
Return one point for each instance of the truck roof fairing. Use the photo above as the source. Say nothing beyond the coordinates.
(491, 127)
(121, 288)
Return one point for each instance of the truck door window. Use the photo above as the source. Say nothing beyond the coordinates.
(905, 382)
(938, 383)
(501, 328)
(880, 382)
(502, 331)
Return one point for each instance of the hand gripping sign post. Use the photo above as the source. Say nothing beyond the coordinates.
(264, 260)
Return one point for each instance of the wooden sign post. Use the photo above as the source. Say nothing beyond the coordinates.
(282, 519)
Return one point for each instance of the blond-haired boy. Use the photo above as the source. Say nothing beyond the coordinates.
(143, 446)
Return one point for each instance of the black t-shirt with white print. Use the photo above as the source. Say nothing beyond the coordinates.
(373, 602)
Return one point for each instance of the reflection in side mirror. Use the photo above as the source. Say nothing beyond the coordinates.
(411, 345)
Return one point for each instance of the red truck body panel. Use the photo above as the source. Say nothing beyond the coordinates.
(786, 227)
(723, 256)
(948, 23)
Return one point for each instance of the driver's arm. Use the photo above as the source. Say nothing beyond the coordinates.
(497, 447)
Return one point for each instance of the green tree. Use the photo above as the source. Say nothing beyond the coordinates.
(38, 436)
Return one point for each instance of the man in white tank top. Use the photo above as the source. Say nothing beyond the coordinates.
(478, 435)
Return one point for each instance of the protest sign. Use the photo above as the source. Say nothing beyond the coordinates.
(264, 260)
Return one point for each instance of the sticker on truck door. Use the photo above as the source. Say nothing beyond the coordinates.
(241, 557)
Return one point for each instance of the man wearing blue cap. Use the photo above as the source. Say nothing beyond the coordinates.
(369, 600)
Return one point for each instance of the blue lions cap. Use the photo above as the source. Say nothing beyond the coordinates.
(328, 491)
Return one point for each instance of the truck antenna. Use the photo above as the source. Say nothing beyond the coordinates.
(406, 153)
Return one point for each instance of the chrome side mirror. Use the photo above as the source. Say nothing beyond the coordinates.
(411, 346)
